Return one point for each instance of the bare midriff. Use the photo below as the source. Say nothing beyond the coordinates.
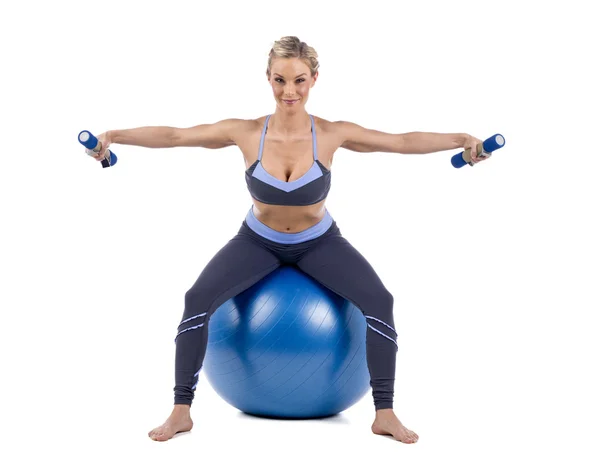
(289, 219)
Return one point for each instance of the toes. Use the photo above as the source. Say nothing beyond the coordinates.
(156, 434)
(160, 436)
(411, 438)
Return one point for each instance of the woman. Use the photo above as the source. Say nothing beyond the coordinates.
(288, 158)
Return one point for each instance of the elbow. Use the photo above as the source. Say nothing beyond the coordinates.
(409, 145)
(175, 137)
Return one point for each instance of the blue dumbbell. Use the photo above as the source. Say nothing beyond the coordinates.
(489, 145)
(90, 142)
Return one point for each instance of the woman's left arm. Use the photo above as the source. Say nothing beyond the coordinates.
(359, 139)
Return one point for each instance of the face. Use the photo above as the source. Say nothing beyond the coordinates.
(291, 81)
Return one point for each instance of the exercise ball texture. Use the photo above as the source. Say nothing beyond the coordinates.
(288, 348)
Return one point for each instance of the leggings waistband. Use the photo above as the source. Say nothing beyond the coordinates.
(289, 238)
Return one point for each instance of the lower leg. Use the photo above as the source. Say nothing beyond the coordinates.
(186, 379)
(381, 359)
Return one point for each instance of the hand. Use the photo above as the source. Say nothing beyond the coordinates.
(471, 146)
(105, 141)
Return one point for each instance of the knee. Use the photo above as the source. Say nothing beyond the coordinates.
(382, 307)
(197, 302)
(384, 301)
(388, 299)
(191, 295)
(198, 294)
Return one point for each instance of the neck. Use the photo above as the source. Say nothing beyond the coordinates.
(285, 122)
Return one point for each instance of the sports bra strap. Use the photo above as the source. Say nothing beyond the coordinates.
(314, 137)
(262, 137)
(264, 131)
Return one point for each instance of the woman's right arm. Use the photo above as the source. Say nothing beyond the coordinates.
(211, 136)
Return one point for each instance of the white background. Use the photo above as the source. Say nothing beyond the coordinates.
(494, 268)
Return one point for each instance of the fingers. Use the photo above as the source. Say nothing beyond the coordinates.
(96, 156)
(474, 154)
(481, 157)
(477, 152)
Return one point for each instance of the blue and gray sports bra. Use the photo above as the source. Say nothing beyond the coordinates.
(312, 187)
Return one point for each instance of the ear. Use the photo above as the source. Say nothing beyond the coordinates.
(314, 79)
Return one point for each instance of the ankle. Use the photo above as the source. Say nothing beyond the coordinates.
(384, 412)
(181, 408)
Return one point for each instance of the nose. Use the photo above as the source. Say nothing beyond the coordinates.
(289, 90)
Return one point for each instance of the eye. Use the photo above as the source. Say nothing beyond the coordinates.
(297, 80)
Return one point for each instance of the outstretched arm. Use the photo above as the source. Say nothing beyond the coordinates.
(359, 139)
(211, 136)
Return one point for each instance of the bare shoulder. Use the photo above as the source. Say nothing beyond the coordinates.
(343, 129)
(240, 128)
(332, 130)
(340, 133)
(246, 130)
(324, 124)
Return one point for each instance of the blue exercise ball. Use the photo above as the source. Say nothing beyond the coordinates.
(288, 348)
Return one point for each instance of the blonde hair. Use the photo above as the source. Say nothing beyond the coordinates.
(292, 47)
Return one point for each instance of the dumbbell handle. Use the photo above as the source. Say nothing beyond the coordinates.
(489, 145)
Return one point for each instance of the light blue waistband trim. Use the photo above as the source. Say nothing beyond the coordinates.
(288, 238)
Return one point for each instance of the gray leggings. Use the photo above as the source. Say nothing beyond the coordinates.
(323, 254)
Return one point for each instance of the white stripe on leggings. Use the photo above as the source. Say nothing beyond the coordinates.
(382, 322)
(191, 318)
(191, 327)
(384, 335)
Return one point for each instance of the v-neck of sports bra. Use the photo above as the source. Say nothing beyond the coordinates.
(312, 167)
(287, 182)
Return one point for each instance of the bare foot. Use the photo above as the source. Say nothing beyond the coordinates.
(387, 423)
(178, 422)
